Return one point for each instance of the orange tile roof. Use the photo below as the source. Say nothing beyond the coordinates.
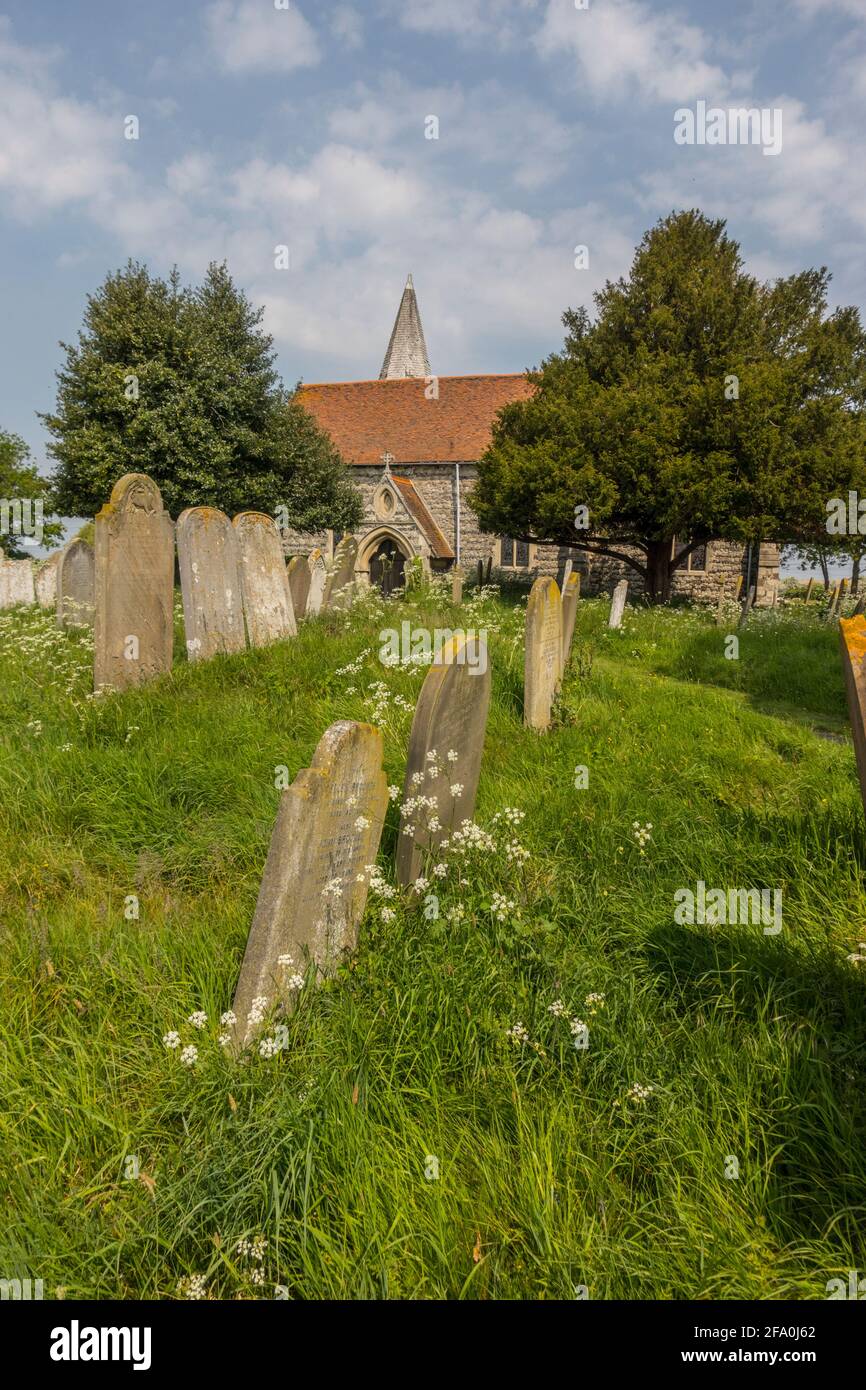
(423, 518)
(366, 419)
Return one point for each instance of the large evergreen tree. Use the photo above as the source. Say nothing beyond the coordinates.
(700, 404)
(180, 383)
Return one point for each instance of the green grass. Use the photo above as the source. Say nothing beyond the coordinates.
(549, 1175)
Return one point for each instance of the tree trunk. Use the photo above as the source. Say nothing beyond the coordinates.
(822, 561)
(658, 565)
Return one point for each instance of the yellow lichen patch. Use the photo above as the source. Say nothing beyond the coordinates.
(854, 636)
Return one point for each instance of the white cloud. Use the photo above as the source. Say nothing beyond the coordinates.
(251, 36)
(624, 48)
(53, 149)
(348, 26)
(499, 20)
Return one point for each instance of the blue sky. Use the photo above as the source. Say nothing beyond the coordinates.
(305, 126)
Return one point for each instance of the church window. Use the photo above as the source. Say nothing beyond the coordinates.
(513, 554)
(696, 561)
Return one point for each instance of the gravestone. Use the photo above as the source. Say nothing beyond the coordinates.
(852, 640)
(311, 900)
(617, 604)
(489, 569)
(480, 573)
(45, 581)
(75, 587)
(542, 670)
(861, 605)
(834, 601)
(566, 574)
(340, 583)
(133, 629)
(264, 580)
(570, 597)
(210, 583)
(808, 593)
(16, 583)
(299, 584)
(318, 578)
(450, 717)
(739, 588)
(457, 587)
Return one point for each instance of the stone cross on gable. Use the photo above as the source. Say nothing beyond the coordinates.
(388, 459)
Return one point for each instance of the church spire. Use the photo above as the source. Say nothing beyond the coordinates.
(407, 351)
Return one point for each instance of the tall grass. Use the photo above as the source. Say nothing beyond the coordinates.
(404, 1145)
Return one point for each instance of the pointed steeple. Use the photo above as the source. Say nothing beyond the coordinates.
(407, 351)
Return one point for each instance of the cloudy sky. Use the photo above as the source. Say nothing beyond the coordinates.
(306, 126)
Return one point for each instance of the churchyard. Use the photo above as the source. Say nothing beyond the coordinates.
(277, 1026)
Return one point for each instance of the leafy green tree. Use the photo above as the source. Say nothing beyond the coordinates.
(700, 404)
(180, 383)
(24, 496)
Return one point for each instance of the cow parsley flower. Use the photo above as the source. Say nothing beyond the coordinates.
(171, 1040)
(189, 1056)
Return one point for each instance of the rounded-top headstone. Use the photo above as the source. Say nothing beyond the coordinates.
(133, 630)
(264, 580)
(75, 586)
(210, 583)
(318, 579)
(299, 584)
(445, 749)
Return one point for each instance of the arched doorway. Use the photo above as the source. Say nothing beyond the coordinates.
(387, 566)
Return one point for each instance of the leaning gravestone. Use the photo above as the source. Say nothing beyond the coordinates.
(133, 628)
(808, 593)
(318, 578)
(852, 639)
(75, 589)
(299, 584)
(860, 606)
(457, 587)
(450, 718)
(542, 669)
(45, 580)
(617, 604)
(340, 583)
(834, 600)
(314, 886)
(566, 575)
(264, 580)
(16, 583)
(210, 583)
(570, 596)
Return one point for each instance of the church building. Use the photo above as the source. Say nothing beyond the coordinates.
(413, 440)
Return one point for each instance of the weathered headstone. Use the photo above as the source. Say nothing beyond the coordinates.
(739, 588)
(340, 583)
(450, 718)
(299, 584)
(834, 600)
(570, 597)
(852, 639)
(860, 607)
(746, 608)
(210, 583)
(566, 574)
(542, 670)
(489, 569)
(16, 583)
(75, 591)
(480, 573)
(133, 630)
(808, 593)
(264, 580)
(617, 604)
(457, 587)
(45, 581)
(318, 578)
(314, 885)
